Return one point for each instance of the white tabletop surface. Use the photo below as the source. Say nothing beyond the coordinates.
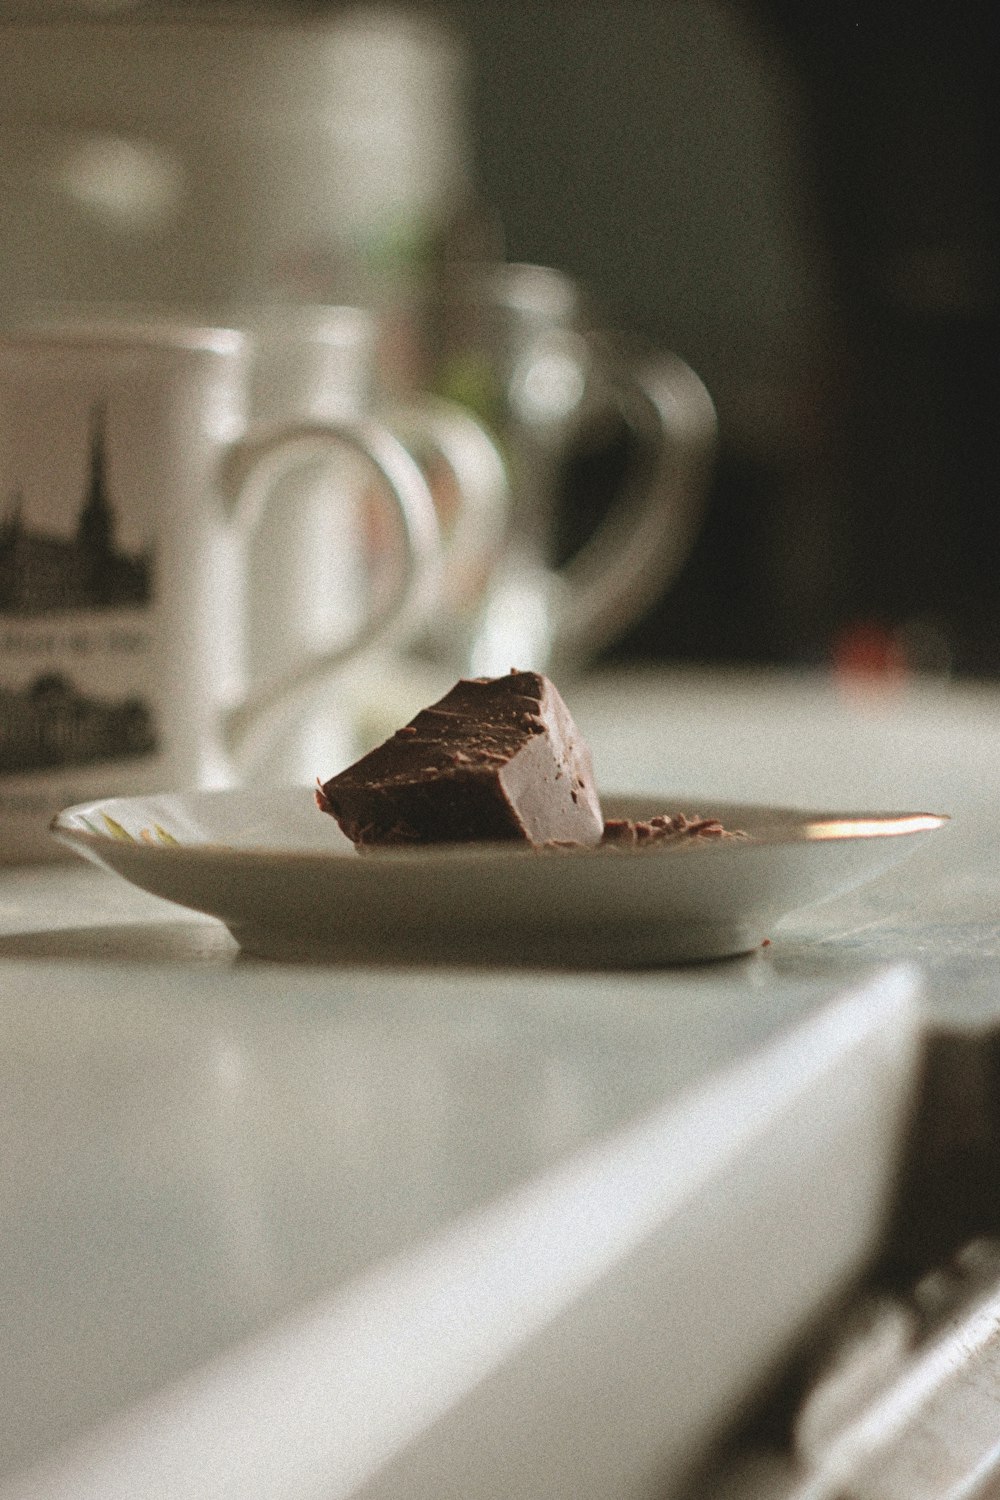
(301, 1231)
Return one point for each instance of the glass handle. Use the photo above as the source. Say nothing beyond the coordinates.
(645, 537)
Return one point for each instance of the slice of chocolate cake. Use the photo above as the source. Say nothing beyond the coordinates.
(496, 759)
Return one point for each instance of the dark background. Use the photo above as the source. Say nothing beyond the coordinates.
(801, 199)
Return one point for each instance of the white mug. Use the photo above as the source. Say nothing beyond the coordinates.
(224, 154)
(131, 489)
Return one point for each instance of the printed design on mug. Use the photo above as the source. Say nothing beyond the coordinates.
(52, 724)
(41, 572)
(70, 599)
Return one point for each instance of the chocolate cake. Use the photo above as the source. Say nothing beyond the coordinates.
(496, 759)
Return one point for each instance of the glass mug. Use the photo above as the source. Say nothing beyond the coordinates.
(515, 343)
(131, 487)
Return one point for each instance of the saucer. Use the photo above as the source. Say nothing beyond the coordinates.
(288, 885)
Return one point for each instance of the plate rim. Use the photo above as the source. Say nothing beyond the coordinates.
(812, 825)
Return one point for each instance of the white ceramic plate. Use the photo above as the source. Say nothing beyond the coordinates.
(289, 885)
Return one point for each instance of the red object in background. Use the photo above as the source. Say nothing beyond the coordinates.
(868, 655)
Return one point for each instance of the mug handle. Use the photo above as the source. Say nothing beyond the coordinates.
(248, 474)
(644, 539)
(474, 509)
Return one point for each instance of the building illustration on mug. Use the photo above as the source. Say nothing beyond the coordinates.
(50, 723)
(41, 573)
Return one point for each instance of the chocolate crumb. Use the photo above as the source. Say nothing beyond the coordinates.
(664, 828)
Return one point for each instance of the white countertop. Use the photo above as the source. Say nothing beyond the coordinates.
(799, 739)
(304, 1231)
